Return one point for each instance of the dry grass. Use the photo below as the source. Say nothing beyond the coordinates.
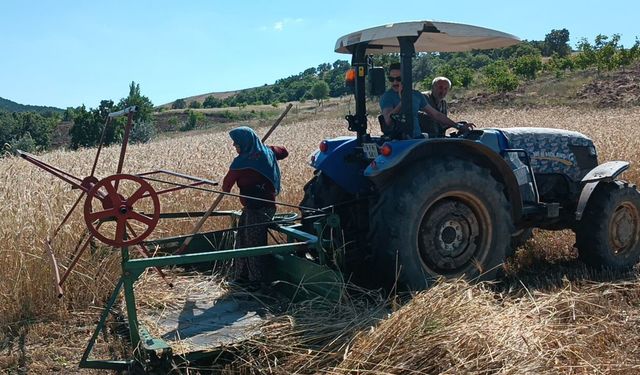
(570, 326)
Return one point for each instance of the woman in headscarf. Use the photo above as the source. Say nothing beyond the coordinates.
(255, 171)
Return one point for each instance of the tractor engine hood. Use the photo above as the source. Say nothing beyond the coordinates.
(555, 151)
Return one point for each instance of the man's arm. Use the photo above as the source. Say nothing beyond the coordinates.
(444, 120)
(436, 115)
(387, 112)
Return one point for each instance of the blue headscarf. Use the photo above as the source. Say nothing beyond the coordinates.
(254, 155)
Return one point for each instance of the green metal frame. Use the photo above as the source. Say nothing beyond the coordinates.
(300, 277)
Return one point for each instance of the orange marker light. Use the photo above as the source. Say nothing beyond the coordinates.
(324, 146)
(350, 77)
(386, 150)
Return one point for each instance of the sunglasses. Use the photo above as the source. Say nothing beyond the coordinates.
(397, 79)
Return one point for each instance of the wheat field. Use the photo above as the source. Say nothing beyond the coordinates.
(580, 323)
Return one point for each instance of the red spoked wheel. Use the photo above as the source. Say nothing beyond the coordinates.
(108, 213)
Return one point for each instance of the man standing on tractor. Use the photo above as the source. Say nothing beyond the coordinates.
(390, 104)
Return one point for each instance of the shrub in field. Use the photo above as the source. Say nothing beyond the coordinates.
(194, 120)
(212, 102)
(527, 66)
(460, 76)
(500, 78)
(179, 104)
(24, 143)
(142, 132)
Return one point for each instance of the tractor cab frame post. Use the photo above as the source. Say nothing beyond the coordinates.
(407, 52)
(358, 123)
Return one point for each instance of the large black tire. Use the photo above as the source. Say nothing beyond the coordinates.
(322, 192)
(444, 217)
(609, 233)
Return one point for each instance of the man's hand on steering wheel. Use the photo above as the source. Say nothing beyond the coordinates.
(463, 128)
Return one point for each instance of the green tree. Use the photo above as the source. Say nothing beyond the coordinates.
(28, 129)
(24, 143)
(179, 104)
(559, 65)
(135, 97)
(459, 76)
(142, 132)
(212, 102)
(86, 128)
(194, 120)
(320, 91)
(586, 56)
(527, 66)
(68, 114)
(606, 50)
(195, 104)
(500, 78)
(557, 41)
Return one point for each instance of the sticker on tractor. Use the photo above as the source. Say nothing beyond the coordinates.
(370, 149)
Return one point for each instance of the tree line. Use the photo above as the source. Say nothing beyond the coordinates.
(29, 131)
(326, 80)
(504, 69)
(499, 70)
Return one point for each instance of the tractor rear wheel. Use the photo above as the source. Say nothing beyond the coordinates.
(441, 218)
(609, 233)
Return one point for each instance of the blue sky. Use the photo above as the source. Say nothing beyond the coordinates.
(68, 53)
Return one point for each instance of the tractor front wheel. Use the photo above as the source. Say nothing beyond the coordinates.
(321, 192)
(441, 218)
(609, 234)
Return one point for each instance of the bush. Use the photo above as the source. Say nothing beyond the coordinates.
(195, 104)
(559, 65)
(459, 76)
(24, 143)
(527, 66)
(142, 132)
(194, 120)
(500, 78)
(179, 104)
(212, 102)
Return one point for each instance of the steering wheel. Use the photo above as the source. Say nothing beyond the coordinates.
(462, 129)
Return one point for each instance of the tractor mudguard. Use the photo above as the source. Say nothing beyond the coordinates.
(340, 162)
(606, 172)
(403, 153)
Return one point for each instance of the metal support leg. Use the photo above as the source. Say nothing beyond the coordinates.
(85, 362)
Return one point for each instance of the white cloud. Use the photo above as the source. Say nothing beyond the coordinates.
(280, 25)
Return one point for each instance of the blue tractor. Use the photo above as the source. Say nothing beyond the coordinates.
(413, 210)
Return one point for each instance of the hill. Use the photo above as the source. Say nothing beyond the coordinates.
(11, 106)
(201, 97)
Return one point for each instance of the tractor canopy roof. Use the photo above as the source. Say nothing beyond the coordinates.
(432, 36)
